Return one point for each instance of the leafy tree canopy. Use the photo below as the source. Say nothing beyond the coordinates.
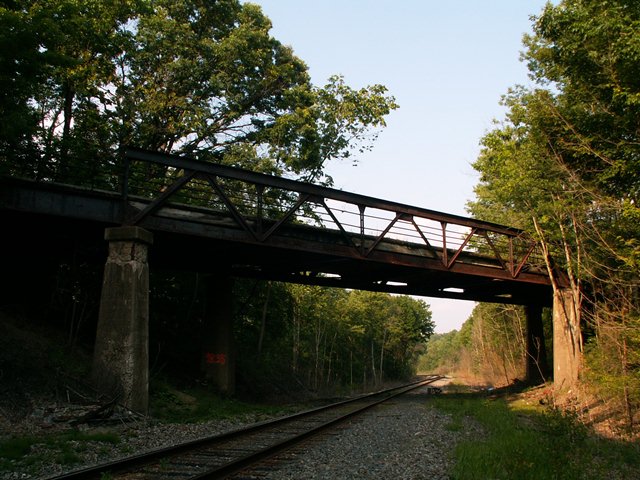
(565, 164)
(568, 153)
(81, 79)
(590, 52)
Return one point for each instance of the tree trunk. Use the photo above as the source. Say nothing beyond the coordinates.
(69, 95)
(333, 342)
(351, 370)
(319, 334)
(373, 363)
(380, 369)
(263, 322)
(295, 340)
(567, 342)
(625, 373)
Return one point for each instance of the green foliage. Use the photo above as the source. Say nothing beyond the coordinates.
(590, 50)
(565, 165)
(612, 362)
(197, 77)
(443, 351)
(489, 347)
(518, 443)
(15, 448)
(199, 404)
(343, 121)
(288, 337)
(329, 337)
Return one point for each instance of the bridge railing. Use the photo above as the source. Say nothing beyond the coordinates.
(104, 173)
(264, 207)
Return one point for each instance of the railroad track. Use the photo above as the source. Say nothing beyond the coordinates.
(222, 455)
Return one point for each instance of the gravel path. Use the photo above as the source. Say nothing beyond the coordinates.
(402, 439)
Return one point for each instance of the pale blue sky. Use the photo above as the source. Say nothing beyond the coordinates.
(446, 62)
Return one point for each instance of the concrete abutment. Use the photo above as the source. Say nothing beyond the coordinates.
(567, 345)
(217, 348)
(567, 339)
(121, 354)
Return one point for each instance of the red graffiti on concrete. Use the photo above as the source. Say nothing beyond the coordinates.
(215, 358)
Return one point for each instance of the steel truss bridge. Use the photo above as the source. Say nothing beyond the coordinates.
(215, 218)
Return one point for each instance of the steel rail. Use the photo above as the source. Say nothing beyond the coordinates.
(243, 463)
(136, 461)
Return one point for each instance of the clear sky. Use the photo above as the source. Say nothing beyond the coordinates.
(447, 63)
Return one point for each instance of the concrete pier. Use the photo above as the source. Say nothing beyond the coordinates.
(567, 342)
(218, 355)
(121, 355)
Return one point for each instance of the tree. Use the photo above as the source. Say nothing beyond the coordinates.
(564, 165)
(21, 68)
(589, 50)
(199, 77)
(490, 346)
(57, 57)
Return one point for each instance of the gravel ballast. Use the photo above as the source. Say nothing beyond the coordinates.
(405, 438)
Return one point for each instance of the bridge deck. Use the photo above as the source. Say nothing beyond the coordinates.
(214, 218)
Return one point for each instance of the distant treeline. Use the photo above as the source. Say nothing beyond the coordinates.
(294, 336)
(489, 348)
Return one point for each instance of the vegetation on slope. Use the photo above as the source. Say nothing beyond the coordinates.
(523, 440)
(565, 165)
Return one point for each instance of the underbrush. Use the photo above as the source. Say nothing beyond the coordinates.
(29, 454)
(526, 443)
(197, 404)
(60, 448)
(42, 382)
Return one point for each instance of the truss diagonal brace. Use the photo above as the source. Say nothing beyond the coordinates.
(496, 252)
(337, 222)
(464, 244)
(424, 237)
(301, 200)
(524, 260)
(237, 216)
(157, 203)
(381, 236)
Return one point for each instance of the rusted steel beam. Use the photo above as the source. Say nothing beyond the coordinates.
(521, 265)
(381, 236)
(238, 217)
(497, 252)
(301, 200)
(445, 254)
(163, 197)
(424, 238)
(307, 192)
(461, 248)
(314, 190)
(293, 252)
(344, 233)
(370, 235)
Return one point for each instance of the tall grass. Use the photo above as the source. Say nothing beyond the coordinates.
(524, 444)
